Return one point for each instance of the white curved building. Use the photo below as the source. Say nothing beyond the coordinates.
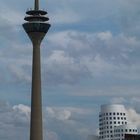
(111, 117)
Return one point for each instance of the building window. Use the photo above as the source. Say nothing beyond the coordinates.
(114, 118)
(100, 120)
(117, 113)
(118, 118)
(114, 113)
(110, 113)
(114, 122)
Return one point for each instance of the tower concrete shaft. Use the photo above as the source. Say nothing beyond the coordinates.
(36, 27)
(36, 110)
(36, 101)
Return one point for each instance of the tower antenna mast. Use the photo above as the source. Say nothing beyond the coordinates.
(36, 5)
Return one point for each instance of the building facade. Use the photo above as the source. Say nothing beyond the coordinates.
(113, 123)
(122, 130)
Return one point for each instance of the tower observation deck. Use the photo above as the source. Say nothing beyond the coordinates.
(36, 20)
(36, 26)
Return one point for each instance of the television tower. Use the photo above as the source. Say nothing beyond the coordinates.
(36, 27)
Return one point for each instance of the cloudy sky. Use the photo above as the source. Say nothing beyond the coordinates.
(90, 56)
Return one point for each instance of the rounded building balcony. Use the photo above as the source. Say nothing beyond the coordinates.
(36, 12)
(36, 18)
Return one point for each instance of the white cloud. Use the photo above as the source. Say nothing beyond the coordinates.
(79, 55)
(70, 122)
(20, 73)
(67, 113)
(23, 109)
(73, 57)
(59, 122)
(58, 114)
(76, 56)
(99, 53)
(59, 56)
(105, 36)
(14, 123)
(12, 17)
(118, 100)
(51, 135)
(133, 116)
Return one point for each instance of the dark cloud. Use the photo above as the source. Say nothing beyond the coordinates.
(85, 55)
(71, 57)
(129, 18)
